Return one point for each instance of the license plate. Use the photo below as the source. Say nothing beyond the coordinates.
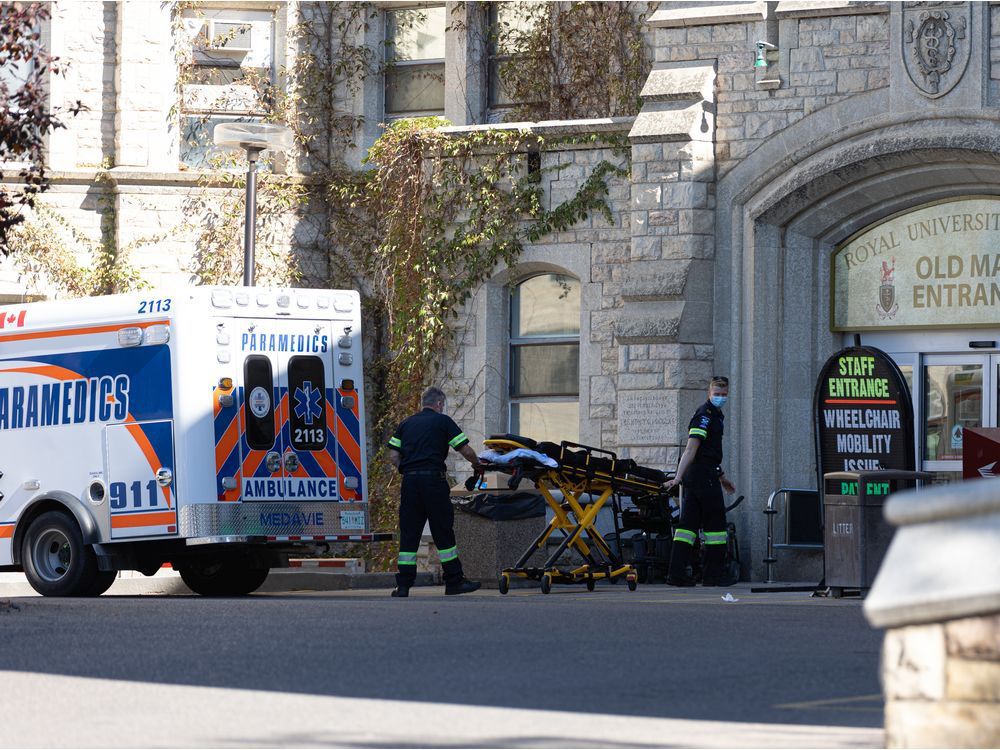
(352, 519)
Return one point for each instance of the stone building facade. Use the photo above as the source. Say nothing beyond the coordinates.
(770, 134)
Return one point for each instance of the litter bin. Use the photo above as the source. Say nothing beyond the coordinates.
(493, 529)
(855, 534)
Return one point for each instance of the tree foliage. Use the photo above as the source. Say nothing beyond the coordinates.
(25, 115)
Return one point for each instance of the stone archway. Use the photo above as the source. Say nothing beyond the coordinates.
(780, 214)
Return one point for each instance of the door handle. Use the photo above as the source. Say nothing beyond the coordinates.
(164, 477)
(291, 462)
(273, 462)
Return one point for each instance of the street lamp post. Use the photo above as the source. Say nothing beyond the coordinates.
(254, 138)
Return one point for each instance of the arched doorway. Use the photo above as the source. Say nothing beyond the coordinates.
(782, 213)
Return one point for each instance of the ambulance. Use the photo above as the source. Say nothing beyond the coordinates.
(220, 430)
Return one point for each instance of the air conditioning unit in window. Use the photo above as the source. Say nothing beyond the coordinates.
(228, 36)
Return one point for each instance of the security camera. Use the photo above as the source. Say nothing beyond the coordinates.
(765, 45)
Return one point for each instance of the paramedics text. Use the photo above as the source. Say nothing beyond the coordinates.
(102, 399)
(284, 342)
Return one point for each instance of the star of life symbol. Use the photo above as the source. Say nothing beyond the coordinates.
(307, 402)
(887, 306)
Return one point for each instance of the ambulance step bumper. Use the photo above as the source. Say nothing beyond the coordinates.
(261, 522)
(380, 536)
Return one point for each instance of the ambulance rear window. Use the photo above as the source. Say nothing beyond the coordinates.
(258, 405)
(306, 403)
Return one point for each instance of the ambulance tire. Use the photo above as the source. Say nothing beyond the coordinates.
(102, 582)
(222, 577)
(56, 561)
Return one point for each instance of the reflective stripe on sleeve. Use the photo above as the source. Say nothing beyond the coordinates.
(407, 558)
(395, 442)
(447, 555)
(456, 441)
(697, 432)
(683, 535)
(716, 537)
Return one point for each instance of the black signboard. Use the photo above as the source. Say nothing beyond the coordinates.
(864, 415)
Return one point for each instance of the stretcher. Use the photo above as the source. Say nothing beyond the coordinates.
(587, 478)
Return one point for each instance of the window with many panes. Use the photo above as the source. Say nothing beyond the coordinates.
(509, 22)
(414, 56)
(232, 57)
(545, 358)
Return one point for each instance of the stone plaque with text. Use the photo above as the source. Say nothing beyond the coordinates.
(645, 417)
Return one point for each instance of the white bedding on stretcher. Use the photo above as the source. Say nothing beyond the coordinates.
(496, 457)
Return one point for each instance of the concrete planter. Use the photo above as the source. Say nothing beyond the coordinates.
(938, 594)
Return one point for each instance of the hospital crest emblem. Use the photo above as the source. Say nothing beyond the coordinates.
(887, 306)
(936, 45)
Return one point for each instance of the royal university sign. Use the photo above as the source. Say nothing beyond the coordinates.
(933, 267)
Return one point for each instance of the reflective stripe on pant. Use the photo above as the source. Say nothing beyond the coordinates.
(702, 507)
(426, 498)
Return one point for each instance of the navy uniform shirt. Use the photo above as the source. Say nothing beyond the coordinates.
(423, 441)
(706, 424)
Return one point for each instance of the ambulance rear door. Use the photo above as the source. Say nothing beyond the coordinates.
(288, 447)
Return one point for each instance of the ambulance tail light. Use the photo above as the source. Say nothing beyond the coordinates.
(131, 336)
(347, 385)
(157, 335)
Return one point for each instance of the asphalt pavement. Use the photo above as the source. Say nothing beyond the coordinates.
(655, 667)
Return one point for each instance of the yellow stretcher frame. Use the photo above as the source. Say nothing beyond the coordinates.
(573, 518)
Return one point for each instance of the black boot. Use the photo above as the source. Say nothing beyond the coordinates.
(461, 586)
(715, 559)
(677, 575)
(402, 586)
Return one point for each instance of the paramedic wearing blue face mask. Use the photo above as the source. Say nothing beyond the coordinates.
(702, 506)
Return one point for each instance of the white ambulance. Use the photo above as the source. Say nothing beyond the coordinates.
(217, 429)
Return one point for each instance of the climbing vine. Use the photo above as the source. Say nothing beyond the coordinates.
(572, 60)
(52, 254)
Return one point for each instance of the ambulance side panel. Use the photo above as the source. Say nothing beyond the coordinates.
(66, 378)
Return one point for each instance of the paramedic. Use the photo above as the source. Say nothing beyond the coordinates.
(419, 448)
(702, 506)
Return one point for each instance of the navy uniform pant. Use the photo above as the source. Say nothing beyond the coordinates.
(426, 498)
(702, 507)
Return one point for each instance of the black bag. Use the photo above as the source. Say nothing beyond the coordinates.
(507, 507)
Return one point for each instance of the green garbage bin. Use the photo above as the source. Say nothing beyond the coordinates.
(855, 534)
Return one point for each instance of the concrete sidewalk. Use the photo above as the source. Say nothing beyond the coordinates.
(298, 578)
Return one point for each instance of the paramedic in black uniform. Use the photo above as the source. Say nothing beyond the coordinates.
(702, 506)
(419, 449)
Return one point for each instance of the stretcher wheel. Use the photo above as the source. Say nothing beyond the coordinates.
(504, 583)
(590, 584)
(546, 583)
(631, 582)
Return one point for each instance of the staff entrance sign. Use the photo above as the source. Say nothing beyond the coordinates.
(864, 415)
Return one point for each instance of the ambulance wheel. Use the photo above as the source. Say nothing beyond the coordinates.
(504, 583)
(221, 577)
(56, 561)
(546, 583)
(102, 582)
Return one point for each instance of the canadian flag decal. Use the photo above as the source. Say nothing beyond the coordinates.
(12, 320)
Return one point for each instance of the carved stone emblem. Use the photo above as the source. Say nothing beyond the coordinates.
(936, 45)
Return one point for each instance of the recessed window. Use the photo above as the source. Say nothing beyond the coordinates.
(545, 358)
(509, 25)
(414, 56)
(231, 64)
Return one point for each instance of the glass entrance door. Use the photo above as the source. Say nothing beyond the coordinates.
(951, 393)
